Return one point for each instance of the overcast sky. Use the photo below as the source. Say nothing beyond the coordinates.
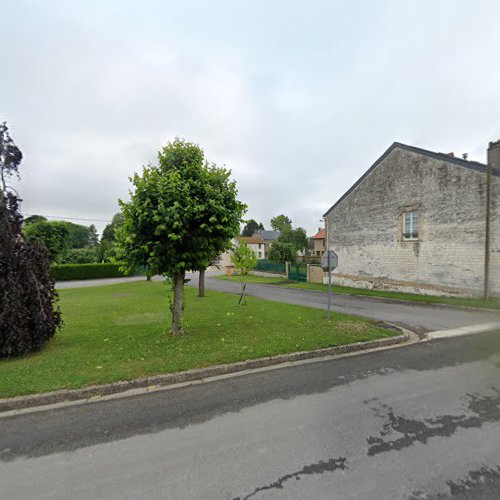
(297, 98)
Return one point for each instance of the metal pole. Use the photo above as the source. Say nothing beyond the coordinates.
(329, 284)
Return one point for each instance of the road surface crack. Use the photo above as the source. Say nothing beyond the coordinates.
(318, 468)
(482, 409)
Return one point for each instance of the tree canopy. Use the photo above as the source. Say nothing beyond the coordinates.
(181, 214)
(251, 227)
(53, 235)
(29, 315)
(281, 223)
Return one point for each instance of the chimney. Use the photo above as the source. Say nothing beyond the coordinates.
(494, 154)
(452, 154)
(465, 156)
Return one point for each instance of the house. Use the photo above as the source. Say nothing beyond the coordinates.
(417, 221)
(318, 242)
(256, 243)
(269, 237)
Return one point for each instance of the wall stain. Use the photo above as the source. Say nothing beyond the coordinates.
(483, 408)
(318, 468)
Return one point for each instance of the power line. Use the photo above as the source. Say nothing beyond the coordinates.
(68, 218)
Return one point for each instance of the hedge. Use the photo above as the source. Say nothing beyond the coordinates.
(61, 272)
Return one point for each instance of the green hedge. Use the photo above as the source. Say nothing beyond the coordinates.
(61, 272)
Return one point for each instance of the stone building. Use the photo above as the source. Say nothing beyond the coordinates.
(416, 221)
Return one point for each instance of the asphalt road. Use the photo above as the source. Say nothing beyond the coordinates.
(421, 318)
(416, 422)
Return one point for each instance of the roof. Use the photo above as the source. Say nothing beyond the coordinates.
(320, 235)
(473, 165)
(268, 235)
(250, 240)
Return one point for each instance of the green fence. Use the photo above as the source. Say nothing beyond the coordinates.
(268, 266)
(297, 272)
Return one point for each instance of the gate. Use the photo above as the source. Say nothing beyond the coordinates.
(297, 272)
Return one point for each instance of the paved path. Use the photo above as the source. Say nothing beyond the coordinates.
(419, 317)
(417, 422)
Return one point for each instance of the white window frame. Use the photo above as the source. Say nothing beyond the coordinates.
(409, 215)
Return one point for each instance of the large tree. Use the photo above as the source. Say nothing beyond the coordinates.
(29, 315)
(251, 227)
(53, 235)
(181, 214)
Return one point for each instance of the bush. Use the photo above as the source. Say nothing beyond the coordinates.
(80, 256)
(29, 315)
(62, 272)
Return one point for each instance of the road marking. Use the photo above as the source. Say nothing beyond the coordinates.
(464, 330)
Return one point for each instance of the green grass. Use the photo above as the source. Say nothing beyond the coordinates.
(428, 299)
(120, 332)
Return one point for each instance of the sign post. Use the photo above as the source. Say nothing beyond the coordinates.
(329, 261)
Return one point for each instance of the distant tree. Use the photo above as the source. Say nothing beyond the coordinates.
(79, 256)
(29, 315)
(104, 250)
(251, 227)
(53, 235)
(296, 237)
(244, 261)
(109, 231)
(34, 218)
(282, 252)
(180, 214)
(93, 238)
(281, 223)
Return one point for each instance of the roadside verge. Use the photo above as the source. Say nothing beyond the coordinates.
(93, 393)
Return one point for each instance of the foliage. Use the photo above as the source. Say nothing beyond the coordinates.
(29, 315)
(281, 223)
(79, 236)
(282, 252)
(244, 259)
(10, 157)
(251, 227)
(110, 230)
(53, 235)
(79, 256)
(34, 218)
(296, 237)
(93, 237)
(62, 272)
(181, 214)
(105, 251)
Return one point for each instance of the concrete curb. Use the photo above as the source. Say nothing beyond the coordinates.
(464, 330)
(97, 391)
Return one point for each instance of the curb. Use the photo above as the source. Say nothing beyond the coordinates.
(97, 391)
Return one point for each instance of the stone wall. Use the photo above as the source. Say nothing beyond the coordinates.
(365, 228)
(315, 274)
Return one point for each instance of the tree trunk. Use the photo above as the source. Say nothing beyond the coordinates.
(201, 284)
(178, 307)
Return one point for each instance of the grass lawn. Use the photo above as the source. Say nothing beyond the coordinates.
(120, 332)
(429, 299)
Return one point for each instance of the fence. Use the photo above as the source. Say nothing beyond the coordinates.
(297, 272)
(268, 266)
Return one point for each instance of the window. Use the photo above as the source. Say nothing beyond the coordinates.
(410, 225)
(260, 255)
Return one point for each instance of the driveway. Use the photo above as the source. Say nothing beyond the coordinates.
(419, 422)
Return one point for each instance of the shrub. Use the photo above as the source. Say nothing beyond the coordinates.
(62, 272)
(80, 256)
(29, 315)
